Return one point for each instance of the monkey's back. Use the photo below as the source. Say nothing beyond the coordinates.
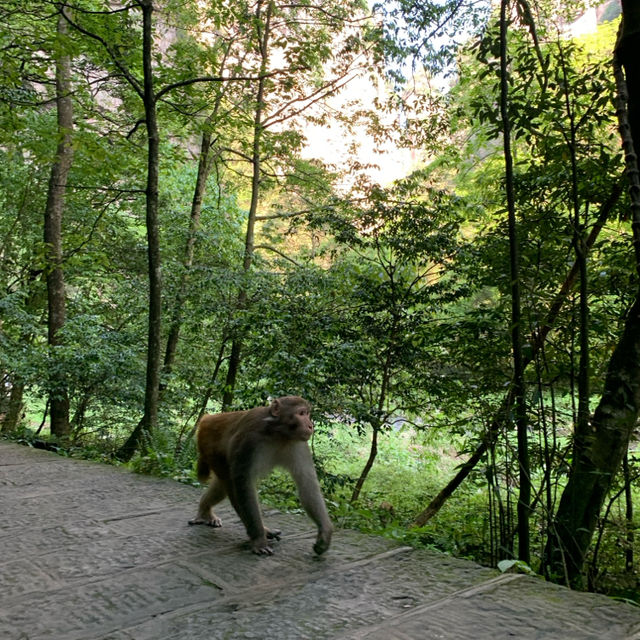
(215, 435)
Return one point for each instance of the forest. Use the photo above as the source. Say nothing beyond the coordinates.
(423, 217)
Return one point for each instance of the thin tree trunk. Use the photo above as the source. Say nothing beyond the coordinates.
(628, 552)
(258, 130)
(569, 282)
(205, 163)
(382, 398)
(519, 391)
(204, 169)
(58, 395)
(436, 504)
(150, 418)
(77, 422)
(233, 367)
(582, 425)
(45, 413)
(548, 449)
(627, 53)
(373, 452)
(205, 400)
(628, 109)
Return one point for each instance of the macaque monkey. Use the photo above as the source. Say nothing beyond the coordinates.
(240, 447)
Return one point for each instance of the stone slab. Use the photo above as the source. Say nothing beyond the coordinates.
(94, 552)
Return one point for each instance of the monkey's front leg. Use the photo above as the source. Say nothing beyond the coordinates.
(323, 540)
(259, 539)
(259, 535)
(311, 497)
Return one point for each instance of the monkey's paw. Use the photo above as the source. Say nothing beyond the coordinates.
(322, 542)
(261, 547)
(210, 522)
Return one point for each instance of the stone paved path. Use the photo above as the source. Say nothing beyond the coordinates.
(89, 551)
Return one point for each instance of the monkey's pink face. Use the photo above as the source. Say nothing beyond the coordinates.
(290, 417)
(301, 423)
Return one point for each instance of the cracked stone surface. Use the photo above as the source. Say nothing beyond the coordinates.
(89, 551)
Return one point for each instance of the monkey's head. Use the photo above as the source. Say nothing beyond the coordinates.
(292, 414)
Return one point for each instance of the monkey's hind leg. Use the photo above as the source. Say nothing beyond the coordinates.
(215, 493)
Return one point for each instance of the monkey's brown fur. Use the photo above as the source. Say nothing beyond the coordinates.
(237, 448)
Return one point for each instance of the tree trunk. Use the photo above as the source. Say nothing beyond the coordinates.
(616, 416)
(11, 419)
(204, 168)
(627, 52)
(628, 515)
(626, 56)
(150, 418)
(524, 498)
(205, 163)
(582, 424)
(582, 428)
(436, 504)
(373, 452)
(232, 369)
(58, 395)
(205, 401)
(77, 422)
(249, 249)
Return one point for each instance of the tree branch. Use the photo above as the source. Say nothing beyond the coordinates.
(282, 255)
(131, 79)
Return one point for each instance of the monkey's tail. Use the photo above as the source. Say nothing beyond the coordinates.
(203, 470)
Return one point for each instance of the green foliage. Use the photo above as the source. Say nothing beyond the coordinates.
(409, 29)
(160, 459)
(515, 566)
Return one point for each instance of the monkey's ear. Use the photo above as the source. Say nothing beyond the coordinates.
(274, 409)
